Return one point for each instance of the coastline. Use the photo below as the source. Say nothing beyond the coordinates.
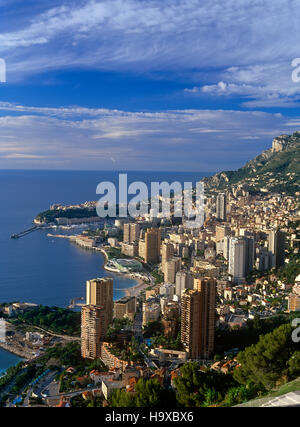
(23, 354)
(134, 290)
(13, 351)
(137, 289)
(16, 347)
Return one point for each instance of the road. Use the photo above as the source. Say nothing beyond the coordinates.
(71, 393)
(138, 334)
(64, 337)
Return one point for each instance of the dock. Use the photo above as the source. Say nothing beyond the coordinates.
(23, 233)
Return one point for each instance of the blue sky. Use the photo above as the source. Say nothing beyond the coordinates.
(187, 85)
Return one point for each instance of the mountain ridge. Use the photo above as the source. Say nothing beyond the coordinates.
(276, 169)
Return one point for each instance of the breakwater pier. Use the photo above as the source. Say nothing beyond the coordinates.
(23, 233)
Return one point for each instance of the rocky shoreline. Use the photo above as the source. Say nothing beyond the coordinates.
(16, 351)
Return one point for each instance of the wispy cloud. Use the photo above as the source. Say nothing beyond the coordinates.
(151, 35)
(203, 140)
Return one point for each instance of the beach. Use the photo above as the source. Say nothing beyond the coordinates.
(137, 289)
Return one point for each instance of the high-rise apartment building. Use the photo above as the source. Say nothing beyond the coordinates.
(99, 292)
(222, 231)
(131, 232)
(264, 260)
(167, 290)
(250, 252)
(125, 308)
(241, 257)
(198, 318)
(149, 248)
(151, 312)
(171, 268)
(207, 287)
(190, 322)
(276, 245)
(237, 259)
(167, 252)
(221, 206)
(184, 280)
(93, 328)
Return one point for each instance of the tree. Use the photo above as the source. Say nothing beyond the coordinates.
(294, 365)
(197, 388)
(267, 362)
(240, 394)
(148, 393)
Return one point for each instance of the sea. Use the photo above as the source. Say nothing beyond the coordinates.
(6, 360)
(52, 271)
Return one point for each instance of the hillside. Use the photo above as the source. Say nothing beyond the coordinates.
(276, 169)
(293, 386)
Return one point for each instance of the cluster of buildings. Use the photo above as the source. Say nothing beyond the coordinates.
(219, 275)
(96, 316)
(15, 308)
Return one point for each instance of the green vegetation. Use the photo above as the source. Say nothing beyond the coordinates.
(152, 329)
(201, 388)
(167, 342)
(290, 270)
(123, 344)
(54, 319)
(159, 277)
(227, 339)
(69, 355)
(65, 355)
(148, 394)
(127, 351)
(18, 379)
(273, 359)
(282, 167)
(26, 377)
(10, 374)
(50, 215)
(116, 253)
(287, 388)
(116, 326)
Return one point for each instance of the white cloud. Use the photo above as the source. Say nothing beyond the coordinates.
(264, 86)
(239, 51)
(153, 35)
(203, 140)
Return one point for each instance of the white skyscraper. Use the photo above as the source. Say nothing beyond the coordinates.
(237, 258)
(221, 206)
(241, 257)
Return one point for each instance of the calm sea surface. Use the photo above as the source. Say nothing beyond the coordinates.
(7, 360)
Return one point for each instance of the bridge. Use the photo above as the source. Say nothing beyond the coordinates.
(23, 233)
